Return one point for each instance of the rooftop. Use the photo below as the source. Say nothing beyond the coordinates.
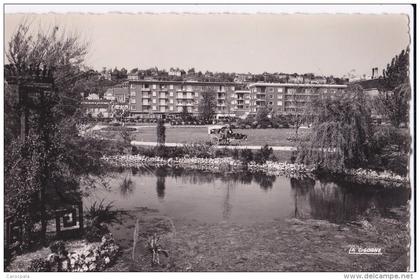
(297, 85)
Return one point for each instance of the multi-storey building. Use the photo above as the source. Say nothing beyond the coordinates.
(170, 97)
(154, 98)
(287, 98)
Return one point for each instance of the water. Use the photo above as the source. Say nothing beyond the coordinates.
(244, 198)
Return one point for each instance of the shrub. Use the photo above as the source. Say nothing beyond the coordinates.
(58, 247)
(39, 265)
(246, 156)
(99, 213)
(263, 154)
(118, 128)
(390, 150)
(94, 233)
(200, 150)
(160, 132)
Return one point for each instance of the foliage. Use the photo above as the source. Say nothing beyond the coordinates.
(390, 150)
(125, 135)
(118, 128)
(185, 115)
(396, 73)
(262, 118)
(246, 155)
(39, 265)
(341, 131)
(99, 213)
(207, 106)
(48, 162)
(395, 104)
(263, 154)
(58, 247)
(395, 90)
(155, 248)
(93, 233)
(160, 132)
(200, 150)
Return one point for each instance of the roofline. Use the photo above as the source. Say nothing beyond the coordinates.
(298, 85)
(185, 82)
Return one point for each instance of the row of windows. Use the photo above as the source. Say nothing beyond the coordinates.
(184, 87)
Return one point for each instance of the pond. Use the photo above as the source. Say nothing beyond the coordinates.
(243, 198)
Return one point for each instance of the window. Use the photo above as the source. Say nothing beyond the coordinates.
(133, 100)
(154, 93)
(232, 88)
(279, 89)
(171, 108)
(171, 101)
(179, 109)
(171, 93)
(179, 94)
(271, 96)
(279, 103)
(133, 107)
(271, 102)
(162, 109)
(154, 108)
(154, 86)
(246, 101)
(132, 93)
(279, 96)
(154, 101)
(171, 86)
(271, 89)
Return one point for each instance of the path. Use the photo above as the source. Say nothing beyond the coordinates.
(250, 147)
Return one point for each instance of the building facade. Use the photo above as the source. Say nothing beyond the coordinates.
(156, 98)
(287, 98)
(170, 97)
(97, 108)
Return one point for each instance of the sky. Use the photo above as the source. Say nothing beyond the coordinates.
(289, 43)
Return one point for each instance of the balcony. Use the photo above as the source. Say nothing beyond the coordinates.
(145, 89)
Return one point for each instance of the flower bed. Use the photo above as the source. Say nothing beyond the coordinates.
(270, 167)
(79, 256)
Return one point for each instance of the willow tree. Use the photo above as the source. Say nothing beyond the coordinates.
(340, 133)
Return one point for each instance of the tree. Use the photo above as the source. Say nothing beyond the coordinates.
(395, 92)
(262, 118)
(160, 132)
(47, 165)
(185, 115)
(341, 131)
(207, 106)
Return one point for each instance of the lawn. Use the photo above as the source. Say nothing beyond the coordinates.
(272, 137)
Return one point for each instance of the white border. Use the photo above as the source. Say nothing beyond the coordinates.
(251, 9)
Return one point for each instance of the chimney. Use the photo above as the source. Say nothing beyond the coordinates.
(374, 72)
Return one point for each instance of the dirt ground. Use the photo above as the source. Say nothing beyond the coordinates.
(291, 245)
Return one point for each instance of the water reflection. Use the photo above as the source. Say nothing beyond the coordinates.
(160, 183)
(247, 197)
(126, 187)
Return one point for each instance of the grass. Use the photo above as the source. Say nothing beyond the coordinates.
(270, 136)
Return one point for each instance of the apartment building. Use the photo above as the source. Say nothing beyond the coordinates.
(170, 97)
(287, 98)
(155, 98)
